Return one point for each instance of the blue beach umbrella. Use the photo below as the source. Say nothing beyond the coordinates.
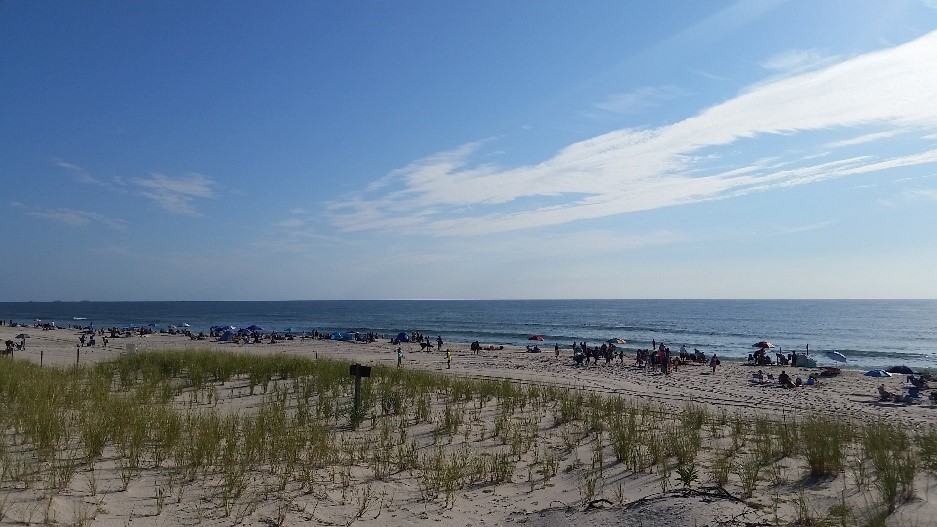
(837, 356)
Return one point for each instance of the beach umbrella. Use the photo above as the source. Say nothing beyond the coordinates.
(24, 336)
(764, 344)
(536, 337)
(835, 355)
(905, 370)
(877, 373)
(616, 340)
(254, 327)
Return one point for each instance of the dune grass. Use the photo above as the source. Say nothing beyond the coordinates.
(240, 431)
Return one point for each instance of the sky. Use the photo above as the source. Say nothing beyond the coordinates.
(217, 150)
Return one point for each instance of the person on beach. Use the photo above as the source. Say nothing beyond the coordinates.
(399, 356)
(713, 362)
(448, 359)
(785, 380)
(439, 343)
(556, 348)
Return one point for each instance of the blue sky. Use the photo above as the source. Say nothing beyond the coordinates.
(344, 150)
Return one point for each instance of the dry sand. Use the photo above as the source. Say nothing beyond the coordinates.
(635, 499)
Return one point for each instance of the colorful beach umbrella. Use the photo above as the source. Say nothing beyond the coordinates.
(764, 344)
(616, 340)
(536, 337)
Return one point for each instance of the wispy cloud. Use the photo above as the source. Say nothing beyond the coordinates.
(176, 194)
(79, 218)
(689, 161)
(639, 100)
(805, 228)
(866, 138)
(706, 74)
(798, 61)
(79, 173)
(928, 194)
(290, 223)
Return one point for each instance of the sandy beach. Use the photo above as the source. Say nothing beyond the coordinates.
(850, 395)
(632, 498)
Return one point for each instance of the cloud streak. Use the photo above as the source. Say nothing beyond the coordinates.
(639, 100)
(868, 98)
(176, 194)
(80, 174)
(79, 218)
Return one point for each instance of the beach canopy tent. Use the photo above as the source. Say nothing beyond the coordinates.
(402, 337)
(226, 336)
(348, 335)
(804, 361)
(904, 370)
(877, 373)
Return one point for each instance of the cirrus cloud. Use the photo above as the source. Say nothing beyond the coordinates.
(864, 99)
(176, 194)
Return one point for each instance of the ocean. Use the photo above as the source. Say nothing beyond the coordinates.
(871, 333)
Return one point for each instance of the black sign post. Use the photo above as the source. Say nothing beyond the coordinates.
(358, 371)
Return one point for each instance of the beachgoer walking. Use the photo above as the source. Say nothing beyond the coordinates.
(448, 359)
(713, 362)
(399, 356)
(439, 343)
(556, 348)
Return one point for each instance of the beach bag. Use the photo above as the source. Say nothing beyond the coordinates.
(717, 362)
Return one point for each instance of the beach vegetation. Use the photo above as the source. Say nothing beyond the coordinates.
(236, 429)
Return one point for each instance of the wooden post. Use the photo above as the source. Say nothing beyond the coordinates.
(357, 393)
(77, 354)
(40, 358)
(358, 371)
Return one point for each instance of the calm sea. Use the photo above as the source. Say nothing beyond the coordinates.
(872, 333)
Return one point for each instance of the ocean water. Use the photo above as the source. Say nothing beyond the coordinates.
(871, 333)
